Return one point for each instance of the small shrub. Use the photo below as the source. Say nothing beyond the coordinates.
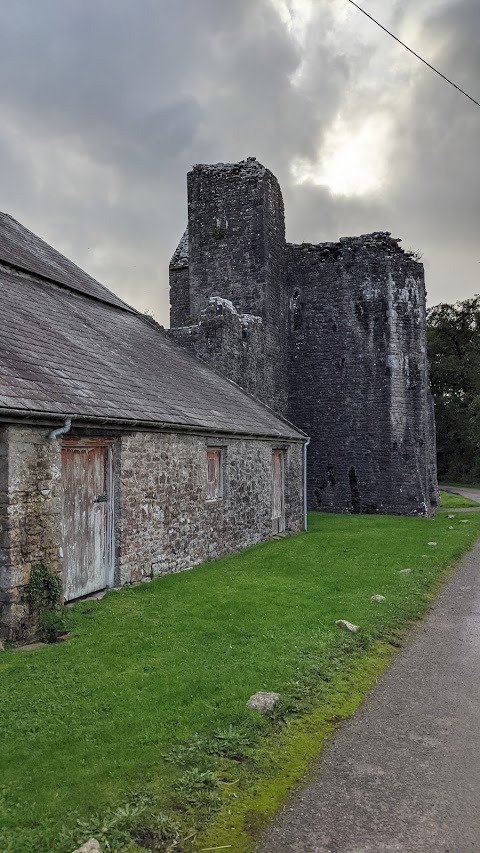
(114, 828)
(230, 742)
(198, 788)
(414, 254)
(44, 589)
(282, 710)
(195, 779)
(153, 830)
(44, 595)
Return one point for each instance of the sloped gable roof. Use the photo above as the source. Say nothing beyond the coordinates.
(65, 351)
(23, 250)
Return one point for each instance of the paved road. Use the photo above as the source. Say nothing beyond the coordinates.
(473, 494)
(403, 774)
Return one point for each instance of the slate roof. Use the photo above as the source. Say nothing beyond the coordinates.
(69, 347)
(24, 250)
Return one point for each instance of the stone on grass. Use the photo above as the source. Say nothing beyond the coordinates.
(450, 527)
(450, 516)
(432, 543)
(347, 626)
(29, 647)
(2, 645)
(90, 846)
(464, 521)
(405, 572)
(263, 701)
(377, 598)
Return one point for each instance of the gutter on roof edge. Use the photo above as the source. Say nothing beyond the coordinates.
(46, 418)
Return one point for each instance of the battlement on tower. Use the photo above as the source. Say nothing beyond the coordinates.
(335, 337)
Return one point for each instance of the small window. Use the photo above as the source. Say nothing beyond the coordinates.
(214, 475)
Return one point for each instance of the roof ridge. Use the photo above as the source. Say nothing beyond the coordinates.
(37, 257)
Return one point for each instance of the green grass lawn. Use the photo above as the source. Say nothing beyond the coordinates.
(136, 727)
(452, 501)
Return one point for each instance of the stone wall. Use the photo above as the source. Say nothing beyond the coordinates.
(4, 533)
(31, 523)
(358, 375)
(343, 325)
(231, 343)
(166, 523)
(180, 310)
(235, 249)
(163, 522)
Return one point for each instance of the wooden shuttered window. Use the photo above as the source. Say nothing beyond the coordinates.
(214, 475)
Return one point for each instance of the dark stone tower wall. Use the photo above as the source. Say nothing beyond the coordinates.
(231, 343)
(358, 375)
(180, 284)
(333, 336)
(236, 251)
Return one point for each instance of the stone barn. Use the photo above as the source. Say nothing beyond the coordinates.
(122, 457)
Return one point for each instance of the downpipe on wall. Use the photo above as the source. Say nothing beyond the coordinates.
(61, 430)
(305, 445)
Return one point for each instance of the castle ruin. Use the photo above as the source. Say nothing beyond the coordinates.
(330, 335)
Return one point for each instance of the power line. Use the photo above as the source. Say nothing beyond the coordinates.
(415, 54)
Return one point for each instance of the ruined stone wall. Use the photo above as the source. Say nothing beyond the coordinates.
(235, 250)
(358, 375)
(180, 310)
(342, 323)
(30, 520)
(166, 522)
(231, 343)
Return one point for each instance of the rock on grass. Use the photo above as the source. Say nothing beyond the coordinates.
(347, 626)
(90, 846)
(263, 701)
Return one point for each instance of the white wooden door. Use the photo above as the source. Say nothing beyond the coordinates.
(278, 501)
(87, 517)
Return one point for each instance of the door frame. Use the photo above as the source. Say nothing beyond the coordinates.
(278, 522)
(109, 443)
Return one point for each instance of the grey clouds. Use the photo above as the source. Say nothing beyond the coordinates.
(105, 106)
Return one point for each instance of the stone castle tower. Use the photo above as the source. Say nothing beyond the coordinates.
(332, 336)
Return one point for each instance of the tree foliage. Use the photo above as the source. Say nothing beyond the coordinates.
(453, 335)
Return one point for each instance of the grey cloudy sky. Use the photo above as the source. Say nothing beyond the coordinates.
(105, 105)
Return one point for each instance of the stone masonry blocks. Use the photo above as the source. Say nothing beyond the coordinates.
(235, 249)
(341, 325)
(166, 523)
(359, 377)
(162, 521)
(30, 520)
